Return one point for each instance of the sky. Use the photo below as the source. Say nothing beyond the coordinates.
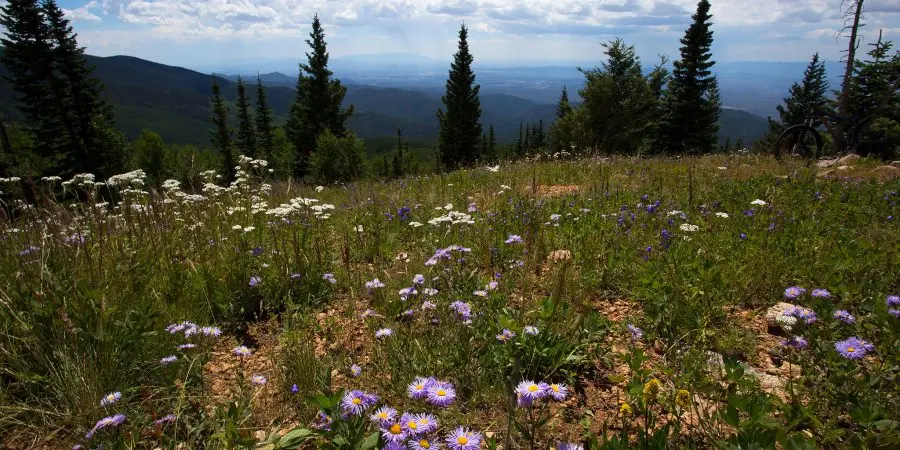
(207, 33)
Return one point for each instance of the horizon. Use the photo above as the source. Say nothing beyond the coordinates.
(206, 35)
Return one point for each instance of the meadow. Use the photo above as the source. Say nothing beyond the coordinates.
(568, 304)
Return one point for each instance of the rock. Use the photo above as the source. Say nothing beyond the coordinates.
(885, 173)
(849, 159)
(828, 173)
(896, 164)
(772, 315)
(845, 167)
(826, 163)
(560, 255)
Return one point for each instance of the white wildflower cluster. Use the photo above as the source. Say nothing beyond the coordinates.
(786, 322)
(688, 227)
(134, 179)
(322, 211)
(758, 202)
(10, 180)
(722, 215)
(452, 218)
(171, 185)
(83, 180)
(52, 179)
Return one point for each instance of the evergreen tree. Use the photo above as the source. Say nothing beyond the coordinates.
(56, 92)
(806, 100)
(81, 94)
(246, 134)
(563, 107)
(875, 101)
(739, 145)
(492, 145)
(220, 135)
(149, 153)
(264, 123)
(519, 142)
(317, 106)
(693, 104)
(484, 146)
(398, 163)
(526, 145)
(727, 145)
(460, 125)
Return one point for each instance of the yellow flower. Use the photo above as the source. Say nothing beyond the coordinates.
(651, 390)
(625, 409)
(683, 398)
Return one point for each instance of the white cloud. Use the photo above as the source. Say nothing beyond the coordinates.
(83, 13)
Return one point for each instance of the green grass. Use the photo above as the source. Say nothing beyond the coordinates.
(82, 320)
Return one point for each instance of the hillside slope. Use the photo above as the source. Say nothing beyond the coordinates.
(174, 102)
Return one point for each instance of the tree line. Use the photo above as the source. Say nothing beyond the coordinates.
(68, 127)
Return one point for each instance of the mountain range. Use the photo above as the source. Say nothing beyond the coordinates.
(174, 102)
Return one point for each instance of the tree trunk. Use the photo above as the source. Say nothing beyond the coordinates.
(837, 130)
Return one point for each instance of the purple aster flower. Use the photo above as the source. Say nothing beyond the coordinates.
(463, 439)
(636, 333)
(793, 292)
(384, 415)
(532, 330)
(393, 432)
(421, 443)
(329, 277)
(165, 419)
(355, 402)
(743, 236)
(894, 312)
(419, 387)
(844, 316)
(795, 342)
(241, 351)
(296, 276)
(255, 280)
(110, 398)
(186, 346)
(258, 380)
(441, 393)
(492, 285)
(821, 293)
(257, 251)
(527, 392)
(569, 446)
(295, 389)
(557, 391)
(893, 300)
(506, 335)
(480, 293)
(405, 293)
(808, 316)
(168, 360)
(77, 447)
(110, 421)
(211, 331)
(384, 332)
(513, 239)
(853, 348)
(463, 310)
(355, 370)
(418, 279)
(426, 423)
(410, 424)
(374, 284)
(430, 292)
(426, 305)
(29, 250)
(323, 421)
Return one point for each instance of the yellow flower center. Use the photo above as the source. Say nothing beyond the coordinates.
(395, 428)
(357, 401)
(462, 440)
(382, 415)
(423, 421)
(554, 387)
(424, 444)
(441, 392)
(532, 388)
(419, 387)
(850, 349)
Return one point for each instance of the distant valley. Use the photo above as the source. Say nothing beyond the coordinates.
(174, 101)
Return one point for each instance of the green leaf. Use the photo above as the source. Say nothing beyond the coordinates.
(293, 438)
(370, 442)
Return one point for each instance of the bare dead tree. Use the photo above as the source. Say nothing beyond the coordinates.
(852, 21)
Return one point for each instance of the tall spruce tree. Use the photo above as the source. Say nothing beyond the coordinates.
(317, 106)
(57, 95)
(693, 105)
(563, 107)
(492, 144)
(460, 125)
(220, 135)
(399, 164)
(806, 100)
(81, 94)
(246, 134)
(264, 123)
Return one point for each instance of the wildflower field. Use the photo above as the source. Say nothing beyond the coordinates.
(715, 302)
